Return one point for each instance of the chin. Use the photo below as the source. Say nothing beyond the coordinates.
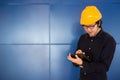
(91, 35)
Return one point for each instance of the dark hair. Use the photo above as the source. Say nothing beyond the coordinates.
(99, 23)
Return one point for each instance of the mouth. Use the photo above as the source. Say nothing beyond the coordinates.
(91, 34)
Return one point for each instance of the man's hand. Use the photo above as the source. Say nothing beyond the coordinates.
(79, 52)
(76, 60)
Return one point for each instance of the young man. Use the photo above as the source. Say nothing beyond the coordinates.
(96, 45)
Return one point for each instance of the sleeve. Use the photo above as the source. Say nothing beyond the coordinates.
(76, 65)
(105, 59)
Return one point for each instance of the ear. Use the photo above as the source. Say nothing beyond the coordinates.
(99, 23)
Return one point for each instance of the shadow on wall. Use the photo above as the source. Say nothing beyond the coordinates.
(76, 31)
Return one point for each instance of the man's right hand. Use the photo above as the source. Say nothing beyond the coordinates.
(79, 52)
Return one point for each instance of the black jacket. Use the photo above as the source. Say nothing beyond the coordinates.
(100, 49)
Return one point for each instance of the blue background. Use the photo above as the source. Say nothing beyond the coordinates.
(37, 35)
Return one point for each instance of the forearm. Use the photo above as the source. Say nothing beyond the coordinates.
(93, 67)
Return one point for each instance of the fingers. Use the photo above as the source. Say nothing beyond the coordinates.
(78, 52)
(69, 56)
(83, 52)
(77, 57)
(76, 60)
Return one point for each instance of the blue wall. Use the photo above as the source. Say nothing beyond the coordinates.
(37, 35)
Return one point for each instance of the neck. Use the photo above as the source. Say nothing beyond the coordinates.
(99, 29)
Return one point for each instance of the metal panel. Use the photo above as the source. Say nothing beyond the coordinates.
(24, 24)
(111, 18)
(23, 1)
(114, 71)
(76, 2)
(24, 62)
(61, 68)
(65, 27)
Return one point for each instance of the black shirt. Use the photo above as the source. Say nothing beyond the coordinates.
(100, 49)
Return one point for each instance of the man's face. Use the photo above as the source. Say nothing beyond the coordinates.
(92, 29)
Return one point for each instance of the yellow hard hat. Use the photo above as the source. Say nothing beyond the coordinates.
(90, 15)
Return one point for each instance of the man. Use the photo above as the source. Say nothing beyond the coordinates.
(96, 45)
